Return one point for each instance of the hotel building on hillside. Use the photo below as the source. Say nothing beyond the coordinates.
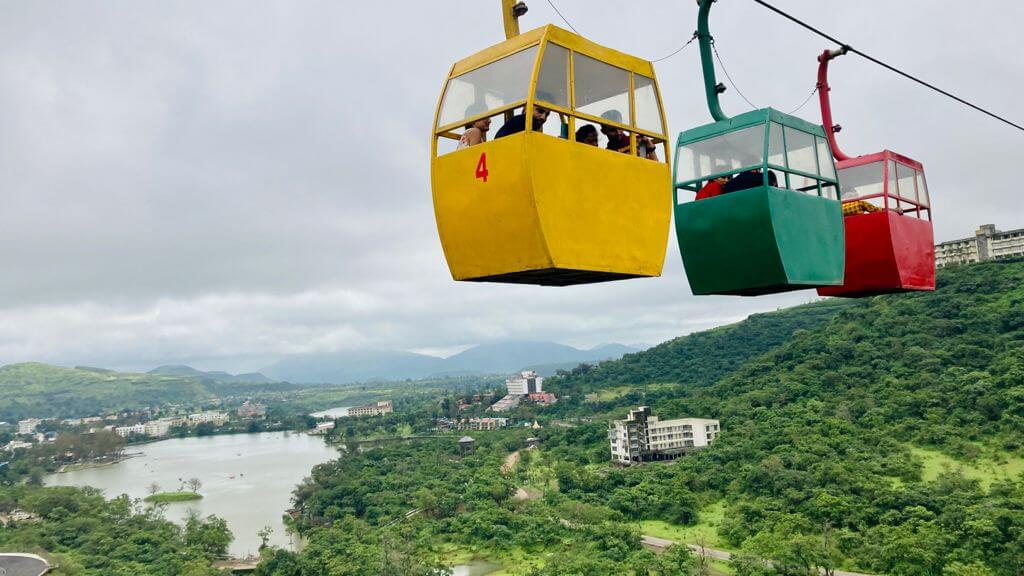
(987, 244)
(525, 383)
(642, 437)
(382, 407)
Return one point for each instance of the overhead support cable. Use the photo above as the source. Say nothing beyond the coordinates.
(573, 28)
(889, 67)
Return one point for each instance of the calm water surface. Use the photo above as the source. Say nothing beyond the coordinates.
(475, 568)
(337, 412)
(247, 478)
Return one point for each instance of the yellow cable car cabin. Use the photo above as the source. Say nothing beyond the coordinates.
(579, 194)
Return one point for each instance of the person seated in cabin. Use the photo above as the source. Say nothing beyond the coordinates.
(618, 139)
(475, 132)
(749, 179)
(859, 207)
(712, 188)
(587, 134)
(517, 123)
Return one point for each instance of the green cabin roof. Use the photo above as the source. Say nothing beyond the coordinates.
(754, 117)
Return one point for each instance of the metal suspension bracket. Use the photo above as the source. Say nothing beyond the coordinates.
(712, 88)
(831, 129)
(511, 10)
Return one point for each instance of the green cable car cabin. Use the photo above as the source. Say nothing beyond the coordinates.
(785, 233)
(768, 218)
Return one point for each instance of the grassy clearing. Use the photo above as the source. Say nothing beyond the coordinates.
(986, 469)
(165, 497)
(514, 562)
(606, 394)
(707, 528)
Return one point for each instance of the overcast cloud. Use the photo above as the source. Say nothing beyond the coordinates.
(222, 183)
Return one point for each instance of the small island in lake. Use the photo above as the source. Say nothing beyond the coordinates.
(164, 497)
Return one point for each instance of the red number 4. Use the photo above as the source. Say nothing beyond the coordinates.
(481, 167)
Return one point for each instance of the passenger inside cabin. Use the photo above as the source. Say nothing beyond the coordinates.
(476, 132)
(749, 179)
(712, 188)
(618, 140)
(517, 123)
(587, 134)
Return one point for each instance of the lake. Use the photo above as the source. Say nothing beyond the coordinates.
(247, 479)
(337, 412)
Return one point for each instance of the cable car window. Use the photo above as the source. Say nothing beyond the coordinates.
(922, 189)
(800, 152)
(863, 180)
(553, 79)
(489, 87)
(776, 147)
(891, 186)
(825, 166)
(905, 182)
(648, 115)
(728, 152)
(601, 89)
(803, 183)
(556, 125)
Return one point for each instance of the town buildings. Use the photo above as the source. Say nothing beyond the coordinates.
(543, 398)
(323, 427)
(208, 416)
(505, 404)
(525, 383)
(382, 407)
(126, 431)
(987, 244)
(249, 410)
(28, 426)
(642, 437)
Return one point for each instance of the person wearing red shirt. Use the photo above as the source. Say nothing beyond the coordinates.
(712, 188)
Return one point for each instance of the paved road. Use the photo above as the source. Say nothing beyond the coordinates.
(23, 565)
(662, 544)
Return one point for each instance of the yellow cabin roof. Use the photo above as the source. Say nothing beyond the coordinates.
(560, 36)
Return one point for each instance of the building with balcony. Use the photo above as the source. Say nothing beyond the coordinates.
(642, 437)
(382, 407)
(987, 244)
(126, 431)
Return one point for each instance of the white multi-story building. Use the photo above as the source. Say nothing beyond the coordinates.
(209, 416)
(382, 407)
(642, 437)
(525, 383)
(126, 431)
(987, 244)
(28, 426)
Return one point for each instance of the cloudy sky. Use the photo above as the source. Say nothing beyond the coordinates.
(222, 183)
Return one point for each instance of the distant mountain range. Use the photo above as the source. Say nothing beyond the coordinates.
(499, 357)
(182, 370)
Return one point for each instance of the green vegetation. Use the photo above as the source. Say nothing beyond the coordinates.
(842, 422)
(87, 535)
(166, 497)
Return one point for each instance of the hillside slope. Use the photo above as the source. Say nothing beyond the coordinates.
(42, 391)
(826, 431)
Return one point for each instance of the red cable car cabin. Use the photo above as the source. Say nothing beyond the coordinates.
(887, 215)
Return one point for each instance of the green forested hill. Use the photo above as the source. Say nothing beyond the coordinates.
(882, 435)
(42, 391)
(703, 358)
(841, 429)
